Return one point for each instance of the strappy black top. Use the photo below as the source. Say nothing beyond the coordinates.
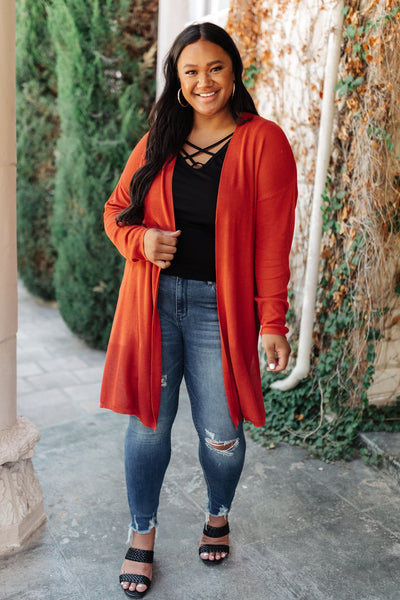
(195, 190)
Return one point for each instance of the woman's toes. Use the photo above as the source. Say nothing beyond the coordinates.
(212, 556)
(140, 587)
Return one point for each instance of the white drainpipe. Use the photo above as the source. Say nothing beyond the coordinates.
(315, 235)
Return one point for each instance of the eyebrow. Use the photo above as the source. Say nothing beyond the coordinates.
(209, 64)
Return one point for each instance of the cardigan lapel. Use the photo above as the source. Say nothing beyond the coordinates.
(167, 197)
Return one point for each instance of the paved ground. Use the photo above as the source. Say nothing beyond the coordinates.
(301, 529)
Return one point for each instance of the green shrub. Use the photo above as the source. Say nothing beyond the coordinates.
(37, 131)
(106, 84)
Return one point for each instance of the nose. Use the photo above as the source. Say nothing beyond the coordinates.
(203, 79)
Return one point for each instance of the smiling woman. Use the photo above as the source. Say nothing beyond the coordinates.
(207, 82)
(204, 215)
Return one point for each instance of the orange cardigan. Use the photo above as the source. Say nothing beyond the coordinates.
(254, 228)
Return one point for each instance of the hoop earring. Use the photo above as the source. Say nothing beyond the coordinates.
(179, 100)
(233, 90)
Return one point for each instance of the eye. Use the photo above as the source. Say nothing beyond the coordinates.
(219, 68)
(192, 72)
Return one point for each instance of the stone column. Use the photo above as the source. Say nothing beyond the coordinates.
(21, 503)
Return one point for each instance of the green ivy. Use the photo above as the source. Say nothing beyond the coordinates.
(319, 414)
(387, 418)
(348, 84)
(250, 74)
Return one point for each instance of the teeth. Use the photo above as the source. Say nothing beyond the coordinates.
(207, 95)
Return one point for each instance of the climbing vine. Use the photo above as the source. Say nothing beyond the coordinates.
(361, 222)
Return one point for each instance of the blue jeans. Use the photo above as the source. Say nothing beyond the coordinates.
(191, 347)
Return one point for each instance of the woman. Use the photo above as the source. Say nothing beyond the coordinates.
(204, 215)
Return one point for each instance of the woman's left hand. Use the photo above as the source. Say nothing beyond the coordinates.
(277, 350)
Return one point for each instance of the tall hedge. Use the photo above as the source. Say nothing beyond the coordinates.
(37, 132)
(105, 62)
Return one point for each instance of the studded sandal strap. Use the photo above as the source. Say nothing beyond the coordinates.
(132, 578)
(143, 556)
(216, 532)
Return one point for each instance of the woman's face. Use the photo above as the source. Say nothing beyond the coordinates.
(206, 77)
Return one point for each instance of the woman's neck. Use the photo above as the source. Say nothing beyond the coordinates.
(206, 128)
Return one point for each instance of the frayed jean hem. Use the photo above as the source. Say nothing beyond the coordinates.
(134, 528)
(223, 512)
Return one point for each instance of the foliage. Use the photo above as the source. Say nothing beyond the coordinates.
(105, 68)
(386, 418)
(37, 132)
(245, 25)
(302, 417)
(359, 283)
(250, 76)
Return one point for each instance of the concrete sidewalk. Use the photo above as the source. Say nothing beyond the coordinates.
(301, 529)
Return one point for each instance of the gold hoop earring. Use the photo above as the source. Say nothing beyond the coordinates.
(233, 90)
(180, 101)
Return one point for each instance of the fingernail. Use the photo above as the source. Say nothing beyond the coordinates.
(272, 366)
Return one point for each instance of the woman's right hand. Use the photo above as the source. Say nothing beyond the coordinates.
(160, 246)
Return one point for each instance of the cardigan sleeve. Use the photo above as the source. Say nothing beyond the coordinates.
(128, 239)
(275, 216)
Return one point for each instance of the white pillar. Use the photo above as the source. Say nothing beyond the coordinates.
(173, 16)
(21, 503)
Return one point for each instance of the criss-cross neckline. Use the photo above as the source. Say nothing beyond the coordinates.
(189, 158)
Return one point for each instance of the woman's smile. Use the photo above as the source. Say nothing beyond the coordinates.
(207, 95)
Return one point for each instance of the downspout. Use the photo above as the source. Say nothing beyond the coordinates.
(302, 366)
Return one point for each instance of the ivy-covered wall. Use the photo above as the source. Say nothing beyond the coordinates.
(284, 45)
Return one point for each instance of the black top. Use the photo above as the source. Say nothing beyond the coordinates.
(195, 191)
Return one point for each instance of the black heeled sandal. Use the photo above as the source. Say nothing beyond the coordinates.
(143, 556)
(214, 532)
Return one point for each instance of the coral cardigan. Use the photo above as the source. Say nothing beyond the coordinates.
(254, 228)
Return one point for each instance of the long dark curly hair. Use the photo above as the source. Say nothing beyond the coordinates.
(170, 123)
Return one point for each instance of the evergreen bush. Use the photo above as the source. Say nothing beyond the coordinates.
(105, 62)
(37, 131)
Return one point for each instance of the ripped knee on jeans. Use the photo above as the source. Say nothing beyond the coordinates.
(225, 447)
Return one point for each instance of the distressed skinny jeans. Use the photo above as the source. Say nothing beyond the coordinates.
(191, 348)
